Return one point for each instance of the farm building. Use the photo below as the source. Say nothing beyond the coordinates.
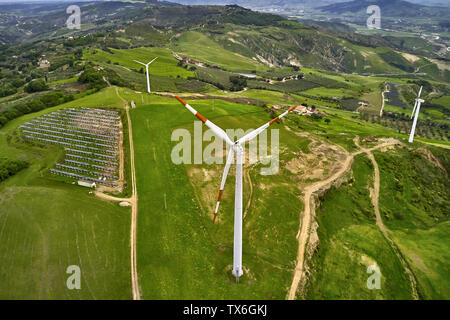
(86, 184)
(300, 109)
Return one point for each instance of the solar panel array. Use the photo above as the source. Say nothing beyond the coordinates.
(90, 138)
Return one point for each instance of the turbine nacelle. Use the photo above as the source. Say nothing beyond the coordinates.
(416, 101)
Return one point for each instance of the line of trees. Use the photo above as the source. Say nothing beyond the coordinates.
(46, 101)
(11, 167)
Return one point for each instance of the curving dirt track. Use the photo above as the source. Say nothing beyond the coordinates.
(374, 195)
(305, 218)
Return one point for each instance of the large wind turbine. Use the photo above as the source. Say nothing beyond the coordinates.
(238, 148)
(416, 108)
(148, 74)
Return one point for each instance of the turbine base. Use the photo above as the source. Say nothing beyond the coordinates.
(237, 272)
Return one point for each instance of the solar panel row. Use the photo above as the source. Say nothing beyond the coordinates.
(70, 139)
(85, 120)
(88, 132)
(109, 163)
(68, 134)
(81, 177)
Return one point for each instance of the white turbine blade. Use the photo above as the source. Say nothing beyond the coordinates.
(420, 92)
(256, 132)
(237, 247)
(152, 61)
(140, 62)
(413, 129)
(148, 79)
(217, 131)
(414, 109)
(230, 159)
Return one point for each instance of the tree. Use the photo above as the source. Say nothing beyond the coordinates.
(327, 121)
(93, 78)
(17, 82)
(7, 90)
(78, 54)
(36, 86)
(238, 83)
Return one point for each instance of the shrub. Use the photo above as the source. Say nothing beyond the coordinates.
(10, 167)
(36, 86)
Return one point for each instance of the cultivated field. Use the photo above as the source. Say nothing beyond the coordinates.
(198, 46)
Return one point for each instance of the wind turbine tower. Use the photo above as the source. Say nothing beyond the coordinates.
(238, 148)
(416, 109)
(148, 74)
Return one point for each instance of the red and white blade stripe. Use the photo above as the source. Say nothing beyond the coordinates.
(230, 159)
(218, 131)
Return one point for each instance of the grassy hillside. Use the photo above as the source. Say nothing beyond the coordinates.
(165, 65)
(197, 46)
(47, 225)
(350, 241)
(414, 204)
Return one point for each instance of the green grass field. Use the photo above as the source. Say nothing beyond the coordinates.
(198, 46)
(47, 225)
(272, 97)
(444, 101)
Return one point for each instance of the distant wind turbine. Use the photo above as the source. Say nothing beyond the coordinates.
(416, 108)
(148, 74)
(238, 148)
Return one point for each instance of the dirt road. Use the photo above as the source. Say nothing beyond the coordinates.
(437, 145)
(382, 100)
(374, 195)
(133, 200)
(305, 222)
(134, 214)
